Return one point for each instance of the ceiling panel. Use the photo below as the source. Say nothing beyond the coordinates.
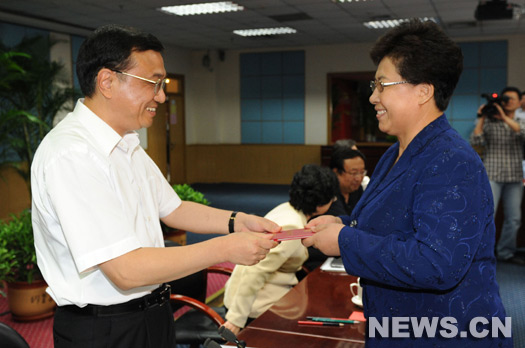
(332, 21)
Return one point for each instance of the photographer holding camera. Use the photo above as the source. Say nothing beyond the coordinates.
(502, 137)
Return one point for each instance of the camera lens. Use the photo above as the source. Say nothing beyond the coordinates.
(504, 99)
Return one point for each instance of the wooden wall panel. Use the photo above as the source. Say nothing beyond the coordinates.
(14, 195)
(260, 164)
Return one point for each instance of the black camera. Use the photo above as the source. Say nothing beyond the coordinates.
(490, 109)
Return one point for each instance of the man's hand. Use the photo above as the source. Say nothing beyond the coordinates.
(501, 116)
(246, 222)
(248, 248)
(326, 237)
(515, 126)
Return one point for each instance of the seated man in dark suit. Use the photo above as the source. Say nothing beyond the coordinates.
(349, 166)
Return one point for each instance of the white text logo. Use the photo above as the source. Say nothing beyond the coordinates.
(404, 327)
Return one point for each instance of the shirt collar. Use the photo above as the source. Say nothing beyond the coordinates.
(105, 137)
(129, 142)
(428, 133)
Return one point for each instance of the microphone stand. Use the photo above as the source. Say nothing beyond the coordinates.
(230, 337)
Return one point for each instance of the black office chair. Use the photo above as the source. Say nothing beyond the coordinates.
(201, 321)
(10, 338)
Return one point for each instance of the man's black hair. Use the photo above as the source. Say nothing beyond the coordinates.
(110, 46)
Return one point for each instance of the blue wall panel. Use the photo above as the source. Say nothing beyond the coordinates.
(251, 109)
(271, 87)
(272, 133)
(293, 109)
(251, 132)
(272, 95)
(251, 87)
(293, 86)
(293, 132)
(271, 63)
(485, 71)
(272, 110)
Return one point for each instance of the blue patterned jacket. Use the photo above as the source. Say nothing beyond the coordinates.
(423, 239)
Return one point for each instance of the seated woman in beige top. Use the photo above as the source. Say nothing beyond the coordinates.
(251, 290)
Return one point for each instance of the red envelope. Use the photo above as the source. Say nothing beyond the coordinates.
(293, 234)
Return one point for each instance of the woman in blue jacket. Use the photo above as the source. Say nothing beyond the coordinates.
(422, 235)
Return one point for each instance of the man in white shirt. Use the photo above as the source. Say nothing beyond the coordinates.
(98, 198)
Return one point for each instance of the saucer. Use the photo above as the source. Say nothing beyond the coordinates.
(357, 301)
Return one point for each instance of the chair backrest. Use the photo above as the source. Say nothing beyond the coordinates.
(10, 338)
(194, 285)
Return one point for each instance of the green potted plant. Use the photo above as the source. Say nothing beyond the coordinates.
(32, 91)
(18, 269)
(185, 193)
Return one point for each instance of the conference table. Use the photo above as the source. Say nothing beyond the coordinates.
(319, 294)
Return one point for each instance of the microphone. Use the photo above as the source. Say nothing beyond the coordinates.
(209, 343)
(230, 337)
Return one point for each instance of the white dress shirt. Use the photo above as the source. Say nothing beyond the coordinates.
(96, 196)
(519, 114)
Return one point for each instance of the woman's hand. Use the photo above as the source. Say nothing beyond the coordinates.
(326, 238)
(233, 328)
(323, 220)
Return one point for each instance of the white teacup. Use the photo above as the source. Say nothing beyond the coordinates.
(357, 293)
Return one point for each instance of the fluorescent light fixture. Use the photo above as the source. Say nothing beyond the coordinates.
(390, 23)
(204, 8)
(265, 31)
(351, 0)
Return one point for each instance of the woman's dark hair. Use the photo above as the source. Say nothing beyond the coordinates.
(337, 161)
(311, 187)
(110, 46)
(422, 53)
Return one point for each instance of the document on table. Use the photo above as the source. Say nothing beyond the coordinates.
(333, 264)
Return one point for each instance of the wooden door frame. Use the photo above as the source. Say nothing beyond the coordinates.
(181, 117)
(359, 75)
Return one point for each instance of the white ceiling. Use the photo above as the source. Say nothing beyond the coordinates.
(331, 22)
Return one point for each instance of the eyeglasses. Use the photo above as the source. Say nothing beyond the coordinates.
(356, 174)
(159, 84)
(381, 85)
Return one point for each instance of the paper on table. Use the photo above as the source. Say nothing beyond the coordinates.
(356, 315)
(328, 267)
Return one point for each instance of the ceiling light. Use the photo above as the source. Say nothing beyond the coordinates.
(265, 31)
(350, 0)
(390, 23)
(205, 8)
